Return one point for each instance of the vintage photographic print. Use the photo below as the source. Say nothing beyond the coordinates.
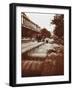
(42, 44)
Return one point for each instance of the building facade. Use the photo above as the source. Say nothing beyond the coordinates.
(29, 28)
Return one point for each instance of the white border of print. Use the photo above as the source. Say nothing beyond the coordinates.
(26, 80)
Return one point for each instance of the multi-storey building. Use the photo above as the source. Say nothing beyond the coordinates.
(29, 28)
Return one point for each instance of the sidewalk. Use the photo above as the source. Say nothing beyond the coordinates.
(30, 45)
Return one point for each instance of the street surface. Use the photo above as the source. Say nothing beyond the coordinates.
(42, 60)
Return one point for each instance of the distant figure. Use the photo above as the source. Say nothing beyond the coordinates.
(47, 40)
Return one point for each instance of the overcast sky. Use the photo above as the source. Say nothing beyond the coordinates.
(43, 20)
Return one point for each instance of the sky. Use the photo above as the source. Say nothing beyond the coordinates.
(42, 19)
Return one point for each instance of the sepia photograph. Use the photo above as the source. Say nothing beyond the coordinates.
(42, 44)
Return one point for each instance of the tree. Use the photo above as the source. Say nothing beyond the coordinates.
(59, 22)
(45, 33)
